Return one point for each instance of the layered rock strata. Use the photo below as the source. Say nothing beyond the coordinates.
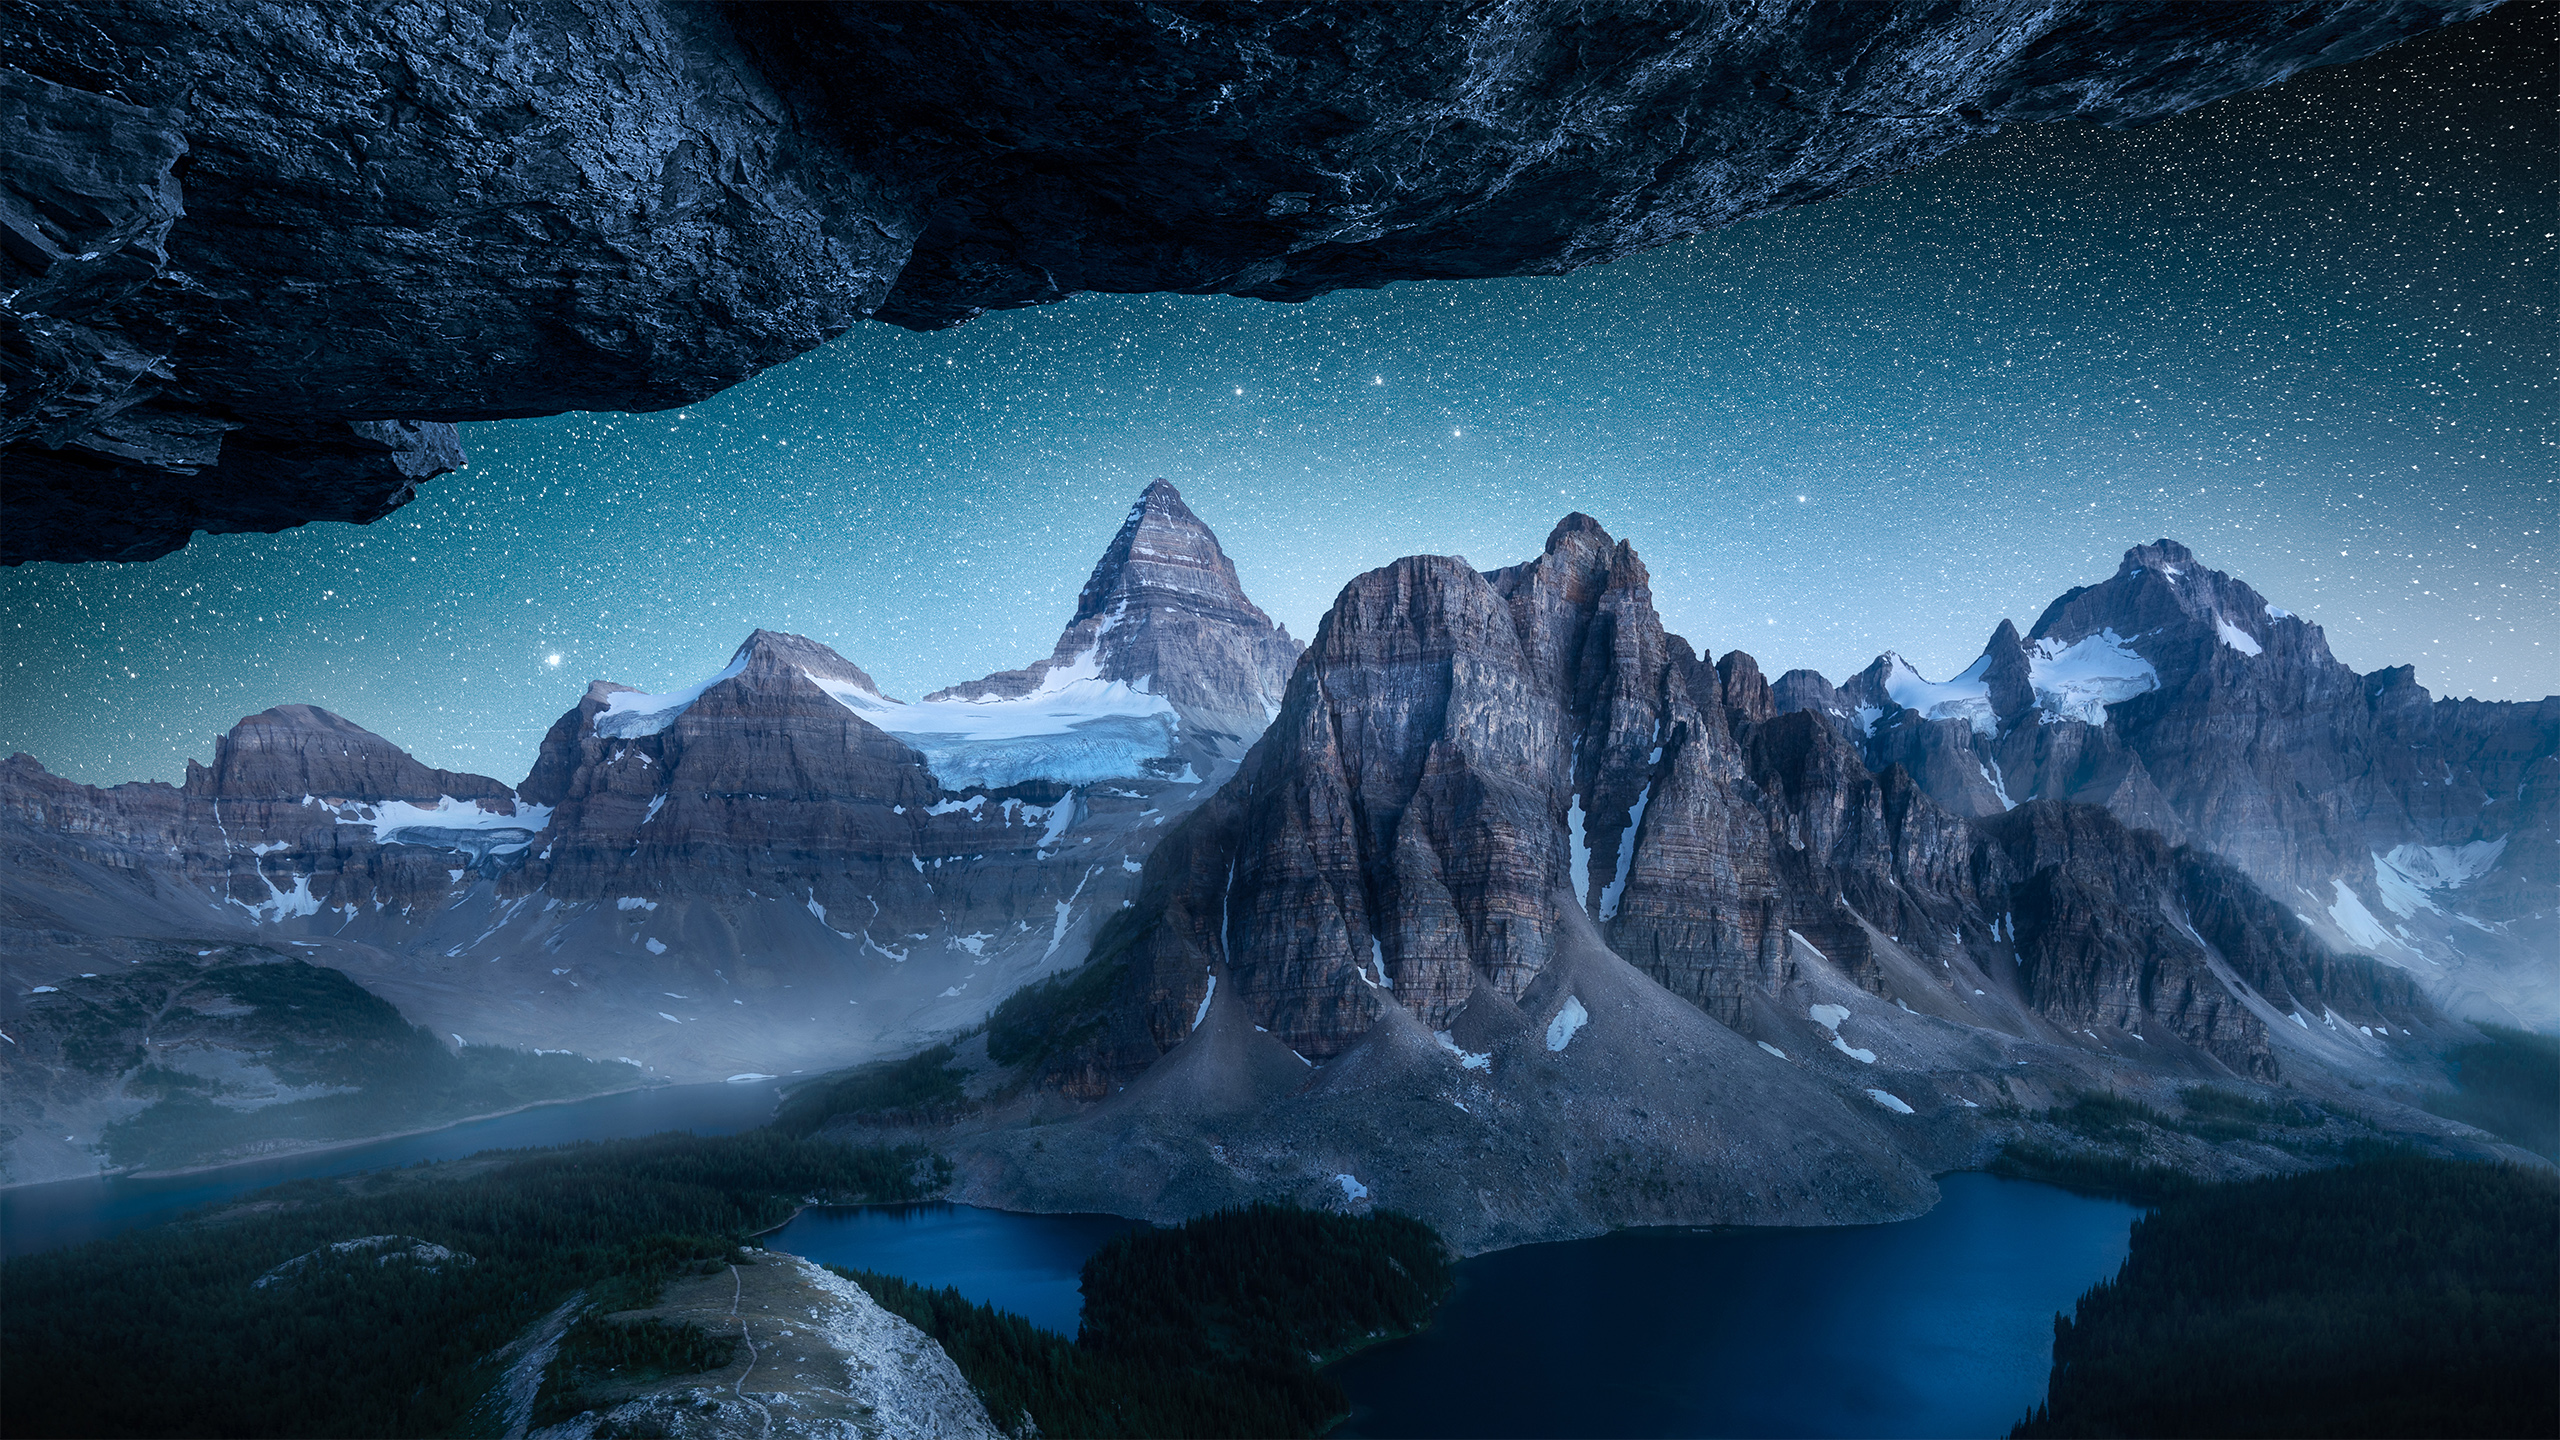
(389, 220)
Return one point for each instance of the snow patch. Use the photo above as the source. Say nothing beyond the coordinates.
(747, 1079)
(2080, 680)
(2358, 922)
(1203, 1012)
(1890, 1101)
(392, 818)
(1060, 816)
(1626, 853)
(1570, 1019)
(1991, 773)
(2410, 874)
(655, 945)
(2237, 638)
(281, 904)
(1075, 727)
(1066, 913)
(634, 902)
(1581, 853)
(1772, 1049)
(1467, 1059)
(630, 713)
(1967, 697)
(1353, 1192)
(1829, 1018)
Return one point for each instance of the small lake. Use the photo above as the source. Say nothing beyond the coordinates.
(66, 1212)
(1028, 1264)
(1937, 1326)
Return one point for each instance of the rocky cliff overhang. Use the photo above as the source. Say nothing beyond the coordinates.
(256, 258)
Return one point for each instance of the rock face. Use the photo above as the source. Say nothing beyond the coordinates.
(1523, 918)
(1460, 750)
(293, 751)
(2424, 832)
(777, 868)
(388, 221)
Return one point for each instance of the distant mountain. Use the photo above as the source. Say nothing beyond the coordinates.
(2424, 832)
(776, 869)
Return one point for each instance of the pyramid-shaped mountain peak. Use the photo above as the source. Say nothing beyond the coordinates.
(1165, 555)
(1165, 613)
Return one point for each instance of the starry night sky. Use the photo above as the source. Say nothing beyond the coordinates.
(2307, 331)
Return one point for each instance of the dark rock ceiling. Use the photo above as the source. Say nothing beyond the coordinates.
(259, 257)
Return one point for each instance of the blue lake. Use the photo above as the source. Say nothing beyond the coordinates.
(1937, 1326)
(1940, 1326)
(1028, 1264)
(41, 1217)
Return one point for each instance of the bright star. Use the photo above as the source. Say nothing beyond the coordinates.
(551, 660)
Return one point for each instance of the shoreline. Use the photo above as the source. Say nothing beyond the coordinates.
(325, 1146)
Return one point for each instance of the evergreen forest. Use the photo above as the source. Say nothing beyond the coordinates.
(167, 1331)
(1214, 1327)
(2398, 1296)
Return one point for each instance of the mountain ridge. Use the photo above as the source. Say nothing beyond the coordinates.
(1498, 850)
(745, 875)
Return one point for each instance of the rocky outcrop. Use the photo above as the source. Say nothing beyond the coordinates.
(2424, 832)
(815, 1357)
(392, 220)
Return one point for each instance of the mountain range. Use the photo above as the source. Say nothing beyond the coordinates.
(1495, 903)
